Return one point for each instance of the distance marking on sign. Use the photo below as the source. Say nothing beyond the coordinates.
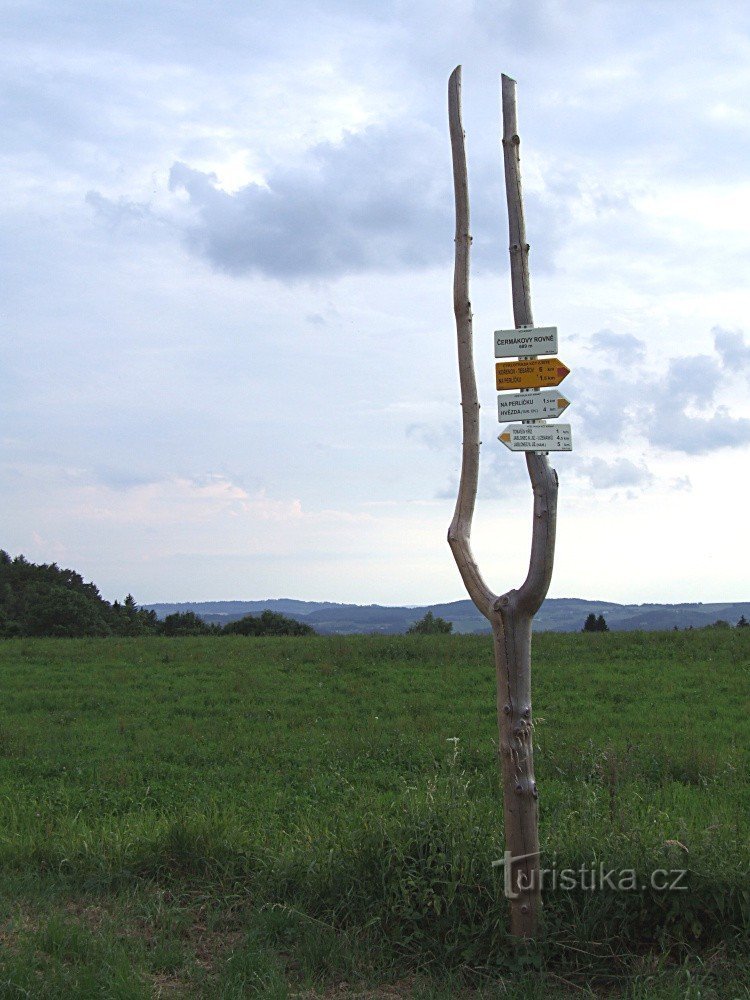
(526, 341)
(544, 405)
(537, 437)
(529, 374)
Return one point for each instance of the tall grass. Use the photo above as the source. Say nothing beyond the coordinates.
(327, 810)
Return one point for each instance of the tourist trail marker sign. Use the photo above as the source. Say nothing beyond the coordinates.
(544, 405)
(530, 374)
(526, 342)
(537, 437)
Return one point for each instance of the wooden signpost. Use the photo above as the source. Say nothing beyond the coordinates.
(511, 613)
(545, 405)
(526, 342)
(537, 437)
(530, 374)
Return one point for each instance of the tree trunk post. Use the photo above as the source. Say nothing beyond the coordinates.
(511, 614)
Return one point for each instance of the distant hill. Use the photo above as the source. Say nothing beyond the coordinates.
(565, 614)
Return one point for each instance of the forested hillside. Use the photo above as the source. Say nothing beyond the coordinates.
(45, 600)
(566, 614)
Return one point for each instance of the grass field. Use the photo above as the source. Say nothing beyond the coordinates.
(298, 817)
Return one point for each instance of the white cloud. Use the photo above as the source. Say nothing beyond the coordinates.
(624, 347)
(731, 346)
(620, 472)
(682, 409)
(375, 201)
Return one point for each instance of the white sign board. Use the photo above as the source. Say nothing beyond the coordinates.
(537, 437)
(526, 342)
(543, 405)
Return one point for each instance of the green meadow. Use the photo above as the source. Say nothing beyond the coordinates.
(301, 817)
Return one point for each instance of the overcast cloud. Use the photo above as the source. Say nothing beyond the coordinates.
(376, 200)
(229, 364)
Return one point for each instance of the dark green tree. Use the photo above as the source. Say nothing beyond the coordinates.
(128, 619)
(743, 622)
(590, 625)
(430, 625)
(60, 612)
(186, 623)
(601, 625)
(268, 623)
(9, 629)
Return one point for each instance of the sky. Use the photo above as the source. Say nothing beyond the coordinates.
(228, 362)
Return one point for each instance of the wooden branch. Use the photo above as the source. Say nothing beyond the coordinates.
(528, 598)
(459, 533)
(533, 590)
(519, 248)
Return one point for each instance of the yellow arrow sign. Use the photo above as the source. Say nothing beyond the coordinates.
(530, 374)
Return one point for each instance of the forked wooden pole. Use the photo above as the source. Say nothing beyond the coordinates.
(511, 614)
(459, 533)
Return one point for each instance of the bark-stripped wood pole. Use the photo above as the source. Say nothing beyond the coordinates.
(511, 614)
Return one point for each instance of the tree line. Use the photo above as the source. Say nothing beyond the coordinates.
(599, 624)
(45, 600)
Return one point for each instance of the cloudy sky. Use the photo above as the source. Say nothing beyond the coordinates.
(228, 356)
